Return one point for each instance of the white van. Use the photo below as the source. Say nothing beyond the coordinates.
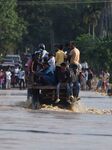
(15, 58)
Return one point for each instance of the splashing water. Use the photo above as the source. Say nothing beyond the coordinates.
(81, 108)
(77, 107)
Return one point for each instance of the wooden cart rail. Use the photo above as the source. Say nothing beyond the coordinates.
(40, 87)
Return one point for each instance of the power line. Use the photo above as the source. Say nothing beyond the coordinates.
(61, 2)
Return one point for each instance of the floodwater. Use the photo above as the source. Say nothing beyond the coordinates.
(25, 129)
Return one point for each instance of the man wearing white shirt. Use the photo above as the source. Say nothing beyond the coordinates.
(51, 62)
(8, 79)
(21, 79)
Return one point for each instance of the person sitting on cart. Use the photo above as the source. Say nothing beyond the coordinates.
(41, 53)
(63, 80)
(45, 75)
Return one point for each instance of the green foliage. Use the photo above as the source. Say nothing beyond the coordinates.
(104, 53)
(11, 26)
(87, 45)
(97, 52)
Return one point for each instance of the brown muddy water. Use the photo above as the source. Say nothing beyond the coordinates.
(89, 127)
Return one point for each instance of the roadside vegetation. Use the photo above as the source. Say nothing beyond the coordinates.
(24, 24)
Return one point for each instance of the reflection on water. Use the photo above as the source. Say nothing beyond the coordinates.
(54, 128)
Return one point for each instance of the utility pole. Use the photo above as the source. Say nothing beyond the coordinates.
(106, 19)
(51, 35)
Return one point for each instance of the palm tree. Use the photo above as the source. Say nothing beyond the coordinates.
(91, 19)
(95, 15)
(88, 22)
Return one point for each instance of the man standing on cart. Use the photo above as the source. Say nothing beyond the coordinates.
(76, 68)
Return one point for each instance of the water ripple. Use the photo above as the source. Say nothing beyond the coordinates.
(34, 131)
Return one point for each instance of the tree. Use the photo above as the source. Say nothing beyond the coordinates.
(12, 26)
(87, 46)
(90, 18)
(51, 23)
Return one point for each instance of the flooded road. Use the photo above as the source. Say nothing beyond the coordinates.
(24, 129)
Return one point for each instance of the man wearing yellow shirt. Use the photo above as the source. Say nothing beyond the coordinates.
(59, 59)
(60, 56)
